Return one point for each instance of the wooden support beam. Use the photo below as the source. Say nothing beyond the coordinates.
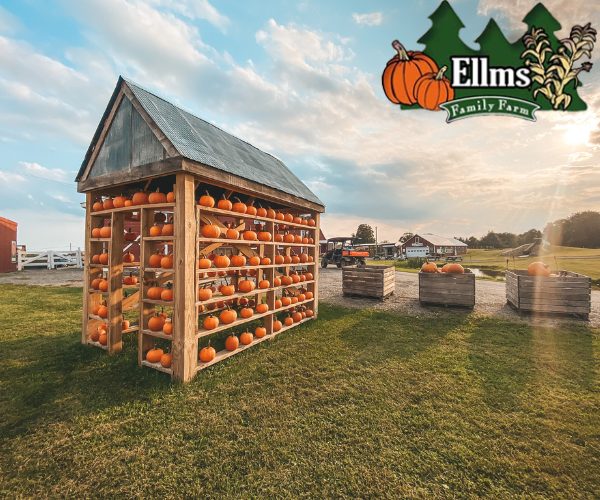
(270, 275)
(147, 248)
(313, 251)
(115, 283)
(185, 320)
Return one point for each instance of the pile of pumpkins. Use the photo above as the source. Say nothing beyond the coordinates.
(241, 208)
(157, 355)
(212, 231)
(161, 322)
(431, 267)
(224, 261)
(100, 334)
(539, 269)
(137, 199)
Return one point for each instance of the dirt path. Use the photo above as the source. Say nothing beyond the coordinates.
(490, 299)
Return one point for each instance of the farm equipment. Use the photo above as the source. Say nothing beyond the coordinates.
(340, 251)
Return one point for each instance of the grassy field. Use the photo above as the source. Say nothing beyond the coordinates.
(359, 404)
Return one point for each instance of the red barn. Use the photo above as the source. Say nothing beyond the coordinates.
(421, 245)
(8, 245)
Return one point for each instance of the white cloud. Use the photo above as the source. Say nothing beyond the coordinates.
(196, 9)
(373, 19)
(56, 174)
(10, 177)
(62, 198)
(9, 23)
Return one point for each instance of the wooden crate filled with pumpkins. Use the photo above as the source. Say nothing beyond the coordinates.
(450, 285)
(541, 290)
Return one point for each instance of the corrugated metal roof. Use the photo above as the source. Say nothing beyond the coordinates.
(205, 143)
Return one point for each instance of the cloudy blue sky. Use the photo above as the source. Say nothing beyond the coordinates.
(302, 81)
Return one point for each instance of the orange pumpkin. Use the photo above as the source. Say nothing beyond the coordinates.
(211, 231)
(168, 328)
(429, 267)
(103, 259)
(246, 312)
(211, 322)
(171, 196)
(264, 236)
(103, 339)
(538, 269)
(433, 89)
(96, 284)
(155, 292)
(288, 321)
(279, 259)
(277, 325)
(167, 295)
(264, 284)
(402, 72)
(128, 258)
(246, 286)
(155, 230)
(96, 232)
(246, 338)
(222, 261)
(168, 229)
(262, 308)
(265, 261)
(232, 343)
(165, 360)
(238, 261)
(166, 262)
(105, 232)
(225, 204)
(249, 235)
(155, 260)
(207, 200)
(204, 263)
(260, 332)
(227, 289)
(239, 207)
(157, 197)
(98, 205)
(108, 204)
(227, 316)
(254, 260)
(140, 199)
(208, 353)
(154, 355)
(455, 269)
(156, 323)
(278, 238)
(232, 234)
(204, 294)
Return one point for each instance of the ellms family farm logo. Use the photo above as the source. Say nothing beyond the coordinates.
(538, 71)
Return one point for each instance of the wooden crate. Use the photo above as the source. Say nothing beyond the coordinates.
(569, 293)
(369, 281)
(447, 289)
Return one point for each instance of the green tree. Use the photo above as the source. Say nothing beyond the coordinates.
(364, 234)
(405, 237)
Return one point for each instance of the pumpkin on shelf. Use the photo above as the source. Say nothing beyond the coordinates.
(129, 236)
(288, 238)
(206, 200)
(277, 325)
(222, 261)
(154, 355)
(167, 262)
(125, 325)
(278, 304)
(295, 259)
(239, 207)
(165, 360)
(156, 323)
(211, 230)
(433, 89)
(232, 234)
(288, 217)
(128, 203)
(211, 322)
(303, 258)
(204, 294)
(279, 216)
(297, 220)
(246, 338)
(155, 292)
(251, 209)
(155, 230)
(279, 259)
(270, 213)
(246, 286)
(207, 354)
(260, 332)
(204, 263)
(103, 258)
(103, 312)
(297, 317)
(265, 261)
(119, 201)
(301, 297)
(277, 281)
(168, 229)
(103, 286)
(538, 269)
(168, 327)
(228, 290)
(309, 276)
(96, 283)
(167, 294)
(108, 204)
(262, 308)
(287, 280)
(288, 321)
(310, 241)
(264, 284)
(225, 204)
(254, 260)
(247, 312)
(249, 235)
(157, 197)
(128, 258)
(103, 339)
(309, 295)
(130, 280)
(227, 316)
(95, 335)
(140, 199)
(287, 259)
(261, 212)
(264, 235)
(232, 343)
(402, 73)
(155, 260)
(105, 232)
(171, 196)
(238, 260)
(286, 301)
(96, 232)
(305, 240)
(98, 206)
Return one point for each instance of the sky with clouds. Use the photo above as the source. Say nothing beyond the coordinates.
(301, 80)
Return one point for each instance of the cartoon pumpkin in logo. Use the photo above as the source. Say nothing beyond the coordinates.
(412, 77)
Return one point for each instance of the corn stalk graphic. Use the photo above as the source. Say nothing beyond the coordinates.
(556, 72)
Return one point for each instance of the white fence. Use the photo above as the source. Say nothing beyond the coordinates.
(50, 259)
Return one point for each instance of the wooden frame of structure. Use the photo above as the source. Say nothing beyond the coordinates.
(188, 180)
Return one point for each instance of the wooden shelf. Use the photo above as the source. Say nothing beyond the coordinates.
(98, 318)
(134, 208)
(133, 328)
(125, 287)
(100, 239)
(102, 266)
(97, 344)
(159, 238)
(158, 269)
(203, 332)
(157, 366)
(251, 243)
(160, 334)
(248, 268)
(237, 295)
(238, 215)
(157, 302)
(221, 355)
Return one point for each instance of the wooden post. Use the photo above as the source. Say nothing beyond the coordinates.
(86, 268)
(270, 275)
(115, 283)
(145, 342)
(314, 253)
(185, 321)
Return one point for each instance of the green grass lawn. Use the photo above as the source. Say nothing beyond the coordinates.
(359, 404)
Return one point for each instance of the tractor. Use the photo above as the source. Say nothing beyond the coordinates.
(340, 251)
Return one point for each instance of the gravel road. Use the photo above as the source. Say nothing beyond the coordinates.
(490, 299)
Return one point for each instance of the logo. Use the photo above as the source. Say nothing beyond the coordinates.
(537, 72)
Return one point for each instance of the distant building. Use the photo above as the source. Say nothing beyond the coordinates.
(421, 245)
(8, 245)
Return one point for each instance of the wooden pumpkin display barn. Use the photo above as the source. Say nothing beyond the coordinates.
(145, 143)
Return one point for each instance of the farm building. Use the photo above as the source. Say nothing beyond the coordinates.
(8, 245)
(421, 245)
(164, 240)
